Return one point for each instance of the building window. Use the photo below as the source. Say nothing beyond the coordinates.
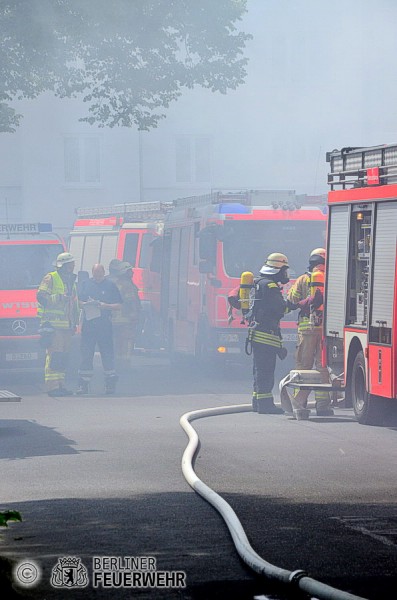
(82, 160)
(192, 159)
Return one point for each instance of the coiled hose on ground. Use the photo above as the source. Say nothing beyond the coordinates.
(299, 578)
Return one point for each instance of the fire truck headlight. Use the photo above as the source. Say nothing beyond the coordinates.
(222, 349)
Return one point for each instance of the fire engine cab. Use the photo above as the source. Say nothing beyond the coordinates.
(209, 241)
(132, 233)
(27, 253)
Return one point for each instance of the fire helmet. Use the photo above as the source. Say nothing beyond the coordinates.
(114, 265)
(274, 263)
(124, 267)
(317, 256)
(63, 259)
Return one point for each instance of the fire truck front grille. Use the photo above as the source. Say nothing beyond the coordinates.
(19, 327)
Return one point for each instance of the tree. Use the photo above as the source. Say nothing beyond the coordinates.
(128, 59)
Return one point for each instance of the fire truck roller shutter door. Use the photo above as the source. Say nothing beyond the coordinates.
(335, 303)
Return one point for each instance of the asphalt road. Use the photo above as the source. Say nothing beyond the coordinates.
(101, 476)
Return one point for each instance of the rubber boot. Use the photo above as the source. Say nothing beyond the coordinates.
(110, 385)
(266, 407)
(83, 388)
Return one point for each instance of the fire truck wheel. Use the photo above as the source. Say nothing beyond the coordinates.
(368, 410)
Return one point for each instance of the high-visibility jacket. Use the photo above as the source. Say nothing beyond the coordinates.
(131, 307)
(61, 308)
(301, 290)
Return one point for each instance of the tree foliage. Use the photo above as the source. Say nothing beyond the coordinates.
(128, 59)
(9, 515)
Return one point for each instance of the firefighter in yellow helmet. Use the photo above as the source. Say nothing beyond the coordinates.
(59, 313)
(268, 307)
(306, 294)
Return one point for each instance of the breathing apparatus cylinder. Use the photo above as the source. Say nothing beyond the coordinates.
(246, 284)
(317, 279)
(317, 283)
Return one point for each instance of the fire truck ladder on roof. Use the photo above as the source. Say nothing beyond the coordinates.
(132, 211)
(362, 167)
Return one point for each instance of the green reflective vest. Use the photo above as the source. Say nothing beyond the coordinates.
(61, 311)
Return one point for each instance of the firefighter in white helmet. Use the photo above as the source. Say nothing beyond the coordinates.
(59, 313)
(267, 308)
(309, 300)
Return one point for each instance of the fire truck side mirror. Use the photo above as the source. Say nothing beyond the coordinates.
(207, 243)
(206, 266)
(157, 251)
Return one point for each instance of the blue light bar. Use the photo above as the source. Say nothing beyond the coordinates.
(45, 227)
(233, 208)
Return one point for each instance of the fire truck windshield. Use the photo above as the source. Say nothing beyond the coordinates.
(247, 244)
(22, 266)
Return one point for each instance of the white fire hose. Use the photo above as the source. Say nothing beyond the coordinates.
(297, 578)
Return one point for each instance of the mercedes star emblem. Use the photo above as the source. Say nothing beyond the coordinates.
(19, 327)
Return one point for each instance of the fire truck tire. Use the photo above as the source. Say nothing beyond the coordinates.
(369, 410)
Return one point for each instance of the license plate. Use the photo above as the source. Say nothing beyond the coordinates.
(290, 337)
(228, 337)
(22, 356)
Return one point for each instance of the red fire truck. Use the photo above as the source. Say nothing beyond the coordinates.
(209, 241)
(130, 232)
(27, 253)
(360, 317)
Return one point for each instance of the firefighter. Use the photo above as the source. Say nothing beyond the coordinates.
(264, 334)
(308, 354)
(125, 321)
(98, 298)
(59, 313)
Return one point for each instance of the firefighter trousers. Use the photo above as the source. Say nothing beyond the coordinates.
(56, 360)
(264, 357)
(308, 356)
(97, 332)
(124, 334)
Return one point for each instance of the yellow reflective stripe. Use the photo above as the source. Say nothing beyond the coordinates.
(53, 376)
(294, 294)
(308, 327)
(272, 285)
(265, 335)
(267, 343)
(262, 396)
(266, 338)
(305, 325)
